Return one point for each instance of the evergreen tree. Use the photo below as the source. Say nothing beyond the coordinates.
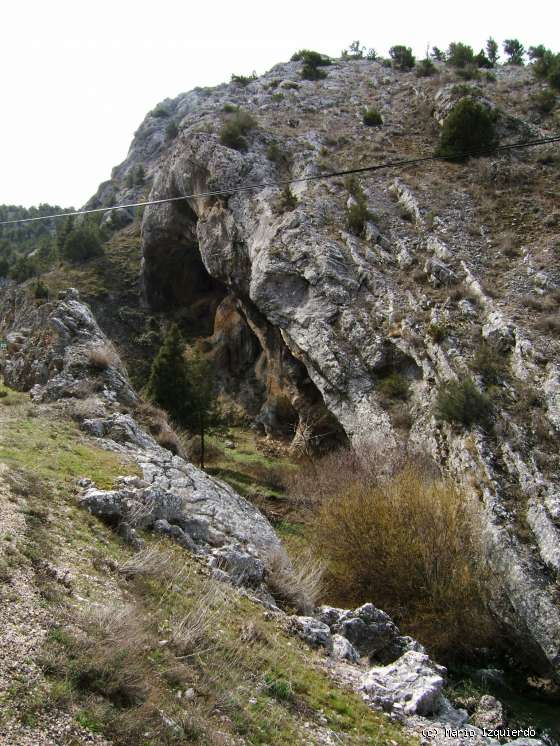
(82, 243)
(515, 51)
(492, 50)
(469, 129)
(168, 386)
(184, 386)
(204, 415)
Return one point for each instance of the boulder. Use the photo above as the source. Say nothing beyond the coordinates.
(314, 633)
(411, 685)
(489, 713)
(244, 568)
(342, 649)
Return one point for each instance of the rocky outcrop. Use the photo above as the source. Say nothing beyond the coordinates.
(336, 314)
(412, 685)
(63, 356)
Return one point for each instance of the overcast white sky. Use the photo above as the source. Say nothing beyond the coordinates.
(78, 78)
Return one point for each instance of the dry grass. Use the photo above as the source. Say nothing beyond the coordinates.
(151, 562)
(549, 325)
(191, 629)
(102, 357)
(296, 584)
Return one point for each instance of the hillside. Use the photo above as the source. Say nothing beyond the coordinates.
(413, 311)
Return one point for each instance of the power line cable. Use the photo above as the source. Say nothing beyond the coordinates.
(287, 182)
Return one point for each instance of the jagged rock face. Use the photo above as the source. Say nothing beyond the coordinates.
(349, 310)
(59, 346)
(53, 354)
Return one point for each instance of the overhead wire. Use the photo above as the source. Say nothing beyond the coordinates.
(399, 163)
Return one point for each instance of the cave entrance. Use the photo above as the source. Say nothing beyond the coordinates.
(176, 280)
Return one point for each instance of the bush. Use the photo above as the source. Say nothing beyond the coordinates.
(288, 200)
(310, 72)
(23, 268)
(82, 243)
(394, 386)
(235, 128)
(546, 65)
(40, 290)
(545, 101)
(515, 51)
(489, 364)
(372, 118)
(243, 80)
(309, 57)
(402, 57)
(171, 130)
(469, 130)
(102, 357)
(425, 68)
(459, 55)
(160, 112)
(312, 62)
(460, 402)
(357, 214)
(296, 584)
(409, 543)
(354, 52)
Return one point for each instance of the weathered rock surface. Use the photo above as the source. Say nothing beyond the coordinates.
(411, 685)
(54, 360)
(334, 313)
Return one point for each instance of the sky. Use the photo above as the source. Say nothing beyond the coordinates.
(78, 78)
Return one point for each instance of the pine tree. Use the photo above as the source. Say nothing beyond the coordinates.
(204, 415)
(168, 386)
(492, 50)
(184, 386)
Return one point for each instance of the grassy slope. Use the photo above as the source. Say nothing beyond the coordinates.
(252, 682)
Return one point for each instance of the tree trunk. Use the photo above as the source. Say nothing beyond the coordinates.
(201, 445)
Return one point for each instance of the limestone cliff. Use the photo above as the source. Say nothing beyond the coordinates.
(453, 260)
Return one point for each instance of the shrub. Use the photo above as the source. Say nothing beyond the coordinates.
(515, 51)
(402, 57)
(460, 402)
(41, 291)
(288, 200)
(296, 583)
(102, 357)
(459, 55)
(312, 62)
(160, 111)
(23, 268)
(357, 214)
(311, 72)
(469, 130)
(354, 52)
(171, 130)
(489, 364)
(545, 101)
(394, 386)
(409, 543)
(235, 128)
(372, 118)
(437, 54)
(438, 332)
(546, 65)
(425, 68)
(275, 154)
(308, 56)
(243, 80)
(469, 72)
(82, 243)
